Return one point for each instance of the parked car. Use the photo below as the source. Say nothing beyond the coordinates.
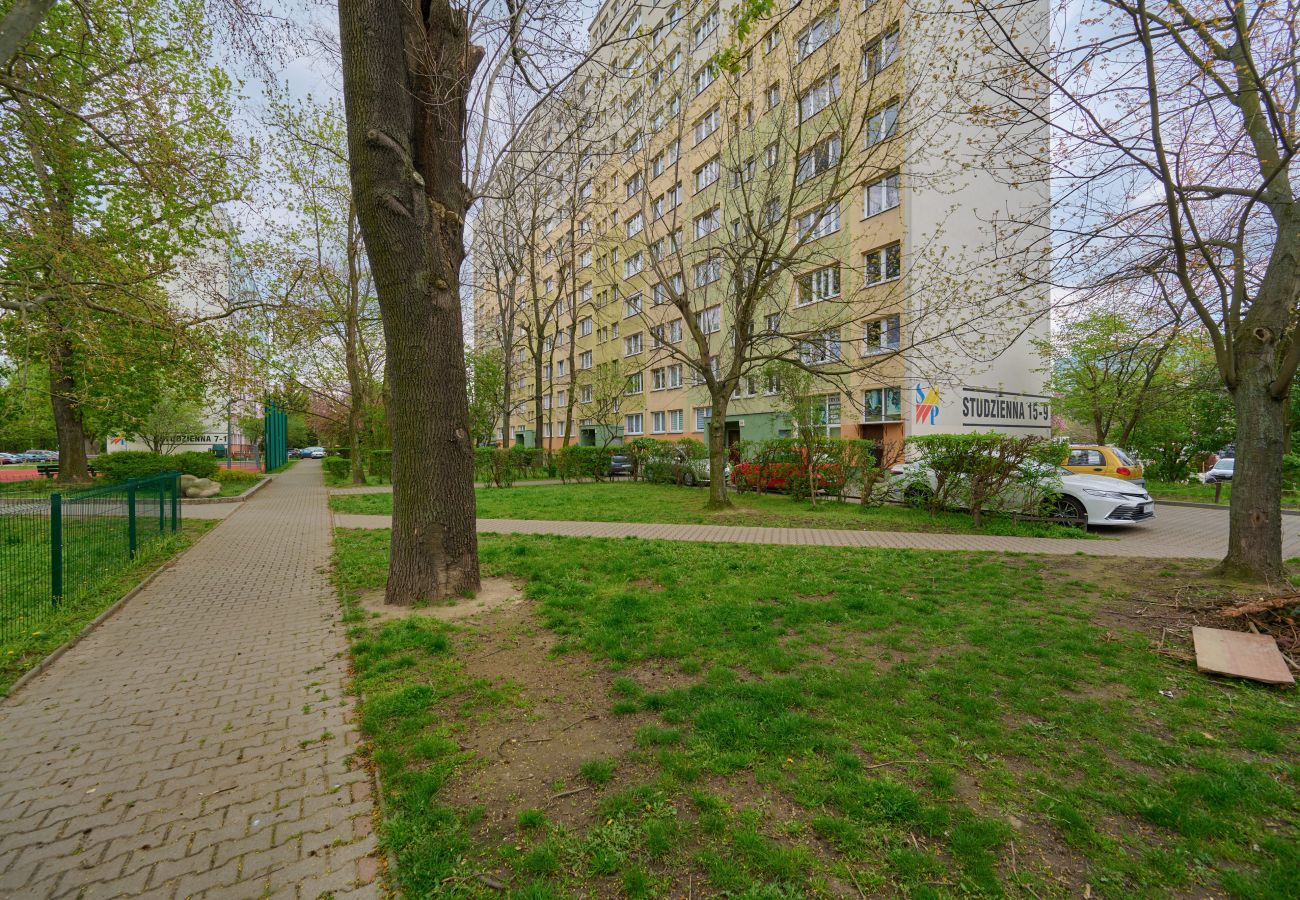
(696, 471)
(9, 459)
(619, 466)
(1101, 459)
(1073, 499)
(292, 452)
(40, 456)
(312, 453)
(1220, 471)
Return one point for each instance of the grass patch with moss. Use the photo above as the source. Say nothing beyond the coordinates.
(815, 721)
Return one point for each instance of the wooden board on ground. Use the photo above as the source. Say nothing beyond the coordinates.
(1253, 656)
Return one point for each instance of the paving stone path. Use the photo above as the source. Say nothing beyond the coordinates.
(198, 742)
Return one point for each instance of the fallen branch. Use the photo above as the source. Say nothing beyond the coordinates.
(1259, 606)
(569, 793)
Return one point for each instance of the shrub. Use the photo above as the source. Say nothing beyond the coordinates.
(578, 461)
(143, 464)
(984, 471)
(236, 476)
(494, 465)
(345, 452)
(336, 468)
(380, 464)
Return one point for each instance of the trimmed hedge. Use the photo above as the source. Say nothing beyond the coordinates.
(380, 464)
(143, 464)
(336, 467)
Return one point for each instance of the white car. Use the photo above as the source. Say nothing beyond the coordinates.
(312, 453)
(1078, 499)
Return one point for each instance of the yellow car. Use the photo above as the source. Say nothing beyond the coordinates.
(1098, 459)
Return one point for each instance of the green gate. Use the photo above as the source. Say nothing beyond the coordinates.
(275, 437)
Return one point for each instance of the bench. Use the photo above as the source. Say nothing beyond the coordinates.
(49, 470)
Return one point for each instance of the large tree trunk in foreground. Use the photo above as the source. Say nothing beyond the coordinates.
(406, 75)
(1255, 518)
(67, 416)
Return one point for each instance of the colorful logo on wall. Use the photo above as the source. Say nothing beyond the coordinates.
(927, 404)
(117, 442)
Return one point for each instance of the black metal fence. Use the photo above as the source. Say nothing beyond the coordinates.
(57, 546)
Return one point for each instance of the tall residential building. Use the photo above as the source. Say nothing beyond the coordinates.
(697, 208)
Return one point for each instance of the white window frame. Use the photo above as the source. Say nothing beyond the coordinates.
(881, 195)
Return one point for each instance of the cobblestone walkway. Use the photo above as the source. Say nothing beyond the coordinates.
(1177, 532)
(197, 743)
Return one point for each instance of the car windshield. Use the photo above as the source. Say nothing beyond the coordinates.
(1225, 464)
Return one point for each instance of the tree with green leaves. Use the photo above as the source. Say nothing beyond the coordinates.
(116, 155)
(484, 377)
(325, 311)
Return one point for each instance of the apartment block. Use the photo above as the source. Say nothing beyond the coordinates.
(700, 211)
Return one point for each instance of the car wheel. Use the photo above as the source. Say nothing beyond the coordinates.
(689, 478)
(916, 496)
(1067, 511)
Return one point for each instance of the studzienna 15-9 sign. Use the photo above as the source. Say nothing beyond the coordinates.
(981, 409)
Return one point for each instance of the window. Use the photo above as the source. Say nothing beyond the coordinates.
(634, 423)
(882, 124)
(882, 405)
(880, 336)
(658, 379)
(880, 195)
(707, 222)
(771, 155)
(633, 23)
(586, 292)
(702, 416)
(675, 421)
(827, 415)
(817, 34)
(584, 227)
(883, 264)
(632, 306)
(772, 324)
(634, 184)
(658, 421)
(634, 147)
(709, 320)
(635, 383)
(659, 295)
(820, 285)
(825, 155)
(548, 285)
(771, 212)
(562, 367)
(771, 384)
(743, 173)
(632, 106)
(704, 77)
(584, 259)
(635, 224)
(584, 360)
(707, 24)
(706, 174)
(584, 192)
(632, 344)
(633, 264)
(771, 40)
(560, 397)
(822, 349)
(584, 393)
(707, 124)
(675, 331)
(708, 271)
(773, 95)
(880, 53)
(819, 96)
(818, 223)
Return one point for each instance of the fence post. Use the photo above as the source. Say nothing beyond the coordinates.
(56, 548)
(162, 505)
(130, 516)
(176, 501)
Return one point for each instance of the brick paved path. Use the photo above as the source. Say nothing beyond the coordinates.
(163, 755)
(1177, 532)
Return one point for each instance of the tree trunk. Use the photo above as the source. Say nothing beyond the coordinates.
(405, 81)
(717, 426)
(1255, 516)
(67, 416)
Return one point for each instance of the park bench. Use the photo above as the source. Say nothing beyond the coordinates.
(49, 470)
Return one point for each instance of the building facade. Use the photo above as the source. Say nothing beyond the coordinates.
(699, 212)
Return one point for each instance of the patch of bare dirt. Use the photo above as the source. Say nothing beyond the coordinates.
(494, 594)
(646, 584)
(529, 755)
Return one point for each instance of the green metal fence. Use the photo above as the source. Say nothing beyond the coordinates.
(275, 437)
(56, 546)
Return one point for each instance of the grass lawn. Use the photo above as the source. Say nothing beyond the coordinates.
(641, 502)
(20, 652)
(1204, 493)
(673, 719)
